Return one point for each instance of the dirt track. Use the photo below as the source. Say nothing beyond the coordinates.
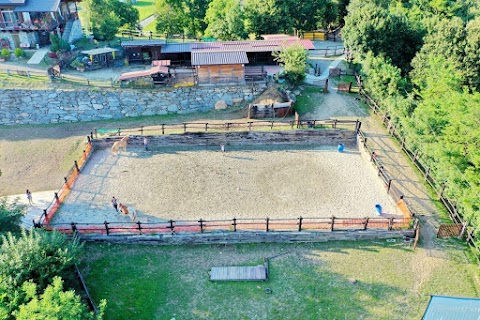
(194, 184)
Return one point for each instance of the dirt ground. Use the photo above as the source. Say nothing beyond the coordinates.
(189, 184)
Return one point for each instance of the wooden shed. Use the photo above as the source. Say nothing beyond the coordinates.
(213, 67)
(143, 51)
(99, 58)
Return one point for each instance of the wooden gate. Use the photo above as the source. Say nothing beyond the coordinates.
(449, 230)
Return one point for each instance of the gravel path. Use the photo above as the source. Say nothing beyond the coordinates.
(193, 184)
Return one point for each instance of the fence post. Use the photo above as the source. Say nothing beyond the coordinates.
(228, 126)
(74, 227)
(332, 223)
(44, 214)
(139, 227)
(66, 182)
(88, 140)
(427, 172)
(300, 224)
(390, 224)
(335, 124)
(119, 131)
(389, 185)
(365, 224)
(292, 123)
(234, 224)
(380, 170)
(201, 225)
(442, 189)
(106, 227)
(171, 227)
(206, 127)
(271, 125)
(250, 126)
(56, 197)
(141, 130)
(163, 128)
(184, 127)
(268, 221)
(357, 126)
(76, 165)
(403, 143)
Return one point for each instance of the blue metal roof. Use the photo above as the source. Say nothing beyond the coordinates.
(39, 6)
(452, 308)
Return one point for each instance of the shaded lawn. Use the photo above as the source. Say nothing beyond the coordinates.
(336, 280)
(310, 98)
(145, 8)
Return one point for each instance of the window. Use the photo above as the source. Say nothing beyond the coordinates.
(10, 18)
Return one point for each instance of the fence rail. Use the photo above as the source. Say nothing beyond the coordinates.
(184, 127)
(413, 155)
(235, 225)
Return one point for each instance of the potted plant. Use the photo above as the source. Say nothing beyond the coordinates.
(5, 54)
(77, 64)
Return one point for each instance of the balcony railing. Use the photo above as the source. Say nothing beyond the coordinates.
(29, 25)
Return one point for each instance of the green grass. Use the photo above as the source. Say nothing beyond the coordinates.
(336, 280)
(310, 99)
(145, 8)
(151, 27)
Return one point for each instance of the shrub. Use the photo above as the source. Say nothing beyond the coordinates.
(77, 64)
(52, 55)
(19, 52)
(10, 216)
(5, 53)
(58, 44)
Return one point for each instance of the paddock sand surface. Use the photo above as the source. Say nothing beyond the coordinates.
(189, 184)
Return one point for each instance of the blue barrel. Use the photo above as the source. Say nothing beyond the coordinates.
(378, 209)
(341, 147)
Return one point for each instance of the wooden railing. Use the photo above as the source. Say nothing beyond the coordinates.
(235, 225)
(413, 155)
(184, 127)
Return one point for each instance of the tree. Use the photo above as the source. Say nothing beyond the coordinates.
(225, 20)
(261, 17)
(370, 27)
(471, 59)
(54, 303)
(102, 19)
(10, 216)
(36, 255)
(127, 14)
(169, 19)
(294, 59)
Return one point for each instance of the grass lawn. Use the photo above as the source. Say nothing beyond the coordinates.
(336, 280)
(145, 8)
(310, 98)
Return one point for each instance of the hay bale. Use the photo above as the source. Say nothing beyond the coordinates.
(269, 97)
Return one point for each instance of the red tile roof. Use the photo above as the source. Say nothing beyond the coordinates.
(250, 46)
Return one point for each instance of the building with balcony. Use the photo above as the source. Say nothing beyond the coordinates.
(28, 23)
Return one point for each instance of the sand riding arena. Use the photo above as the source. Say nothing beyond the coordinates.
(261, 179)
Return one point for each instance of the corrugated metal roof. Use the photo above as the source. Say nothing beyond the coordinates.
(251, 46)
(176, 47)
(145, 73)
(452, 308)
(39, 6)
(12, 2)
(99, 51)
(216, 58)
(142, 43)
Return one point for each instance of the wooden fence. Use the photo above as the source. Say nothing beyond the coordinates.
(235, 225)
(414, 155)
(69, 180)
(184, 127)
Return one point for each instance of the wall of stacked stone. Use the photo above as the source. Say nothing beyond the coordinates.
(330, 137)
(55, 106)
(252, 237)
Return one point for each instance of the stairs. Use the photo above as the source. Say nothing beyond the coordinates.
(67, 31)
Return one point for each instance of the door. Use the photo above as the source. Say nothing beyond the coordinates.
(16, 40)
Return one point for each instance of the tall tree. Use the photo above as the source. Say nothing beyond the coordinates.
(127, 14)
(169, 18)
(10, 216)
(370, 27)
(225, 20)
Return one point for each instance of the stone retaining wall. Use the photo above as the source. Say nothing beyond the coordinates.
(251, 237)
(315, 137)
(54, 106)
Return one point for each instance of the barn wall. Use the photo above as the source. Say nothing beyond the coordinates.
(224, 73)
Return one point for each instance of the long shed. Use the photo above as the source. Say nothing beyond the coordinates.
(219, 67)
